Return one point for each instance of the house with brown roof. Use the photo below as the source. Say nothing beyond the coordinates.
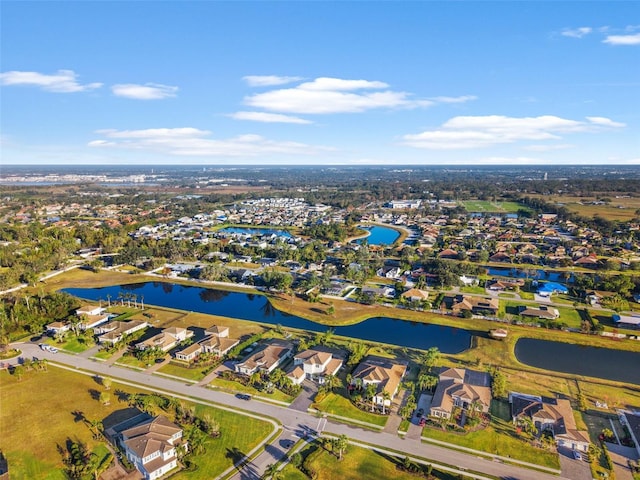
(216, 341)
(476, 305)
(544, 312)
(115, 331)
(550, 414)
(461, 388)
(384, 373)
(416, 295)
(150, 445)
(316, 363)
(166, 339)
(268, 356)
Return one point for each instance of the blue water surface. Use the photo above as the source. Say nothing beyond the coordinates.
(256, 308)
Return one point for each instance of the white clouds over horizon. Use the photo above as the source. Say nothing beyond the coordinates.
(268, 80)
(148, 91)
(623, 39)
(63, 81)
(467, 132)
(625, 36)
(576, 32)
(190, 141)
(268, 117)
(326, 95)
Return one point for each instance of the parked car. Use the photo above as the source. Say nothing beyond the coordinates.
(420, 412)
(577, 455)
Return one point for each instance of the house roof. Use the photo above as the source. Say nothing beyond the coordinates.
(268, 355)
(416, 293)
(467, 302)
(381, 371)
(469, 385)
(151, 436)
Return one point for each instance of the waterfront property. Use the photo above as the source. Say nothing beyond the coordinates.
(216, 342)
(553, 415)
(267, 357)
(475, 305)
(631, 419)
(383, 373)
(166, 339)
(115, 331)
(316, 363)
(461, 388)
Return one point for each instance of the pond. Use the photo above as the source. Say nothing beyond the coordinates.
(379, 235)
(534, 274)
(608, 363)
(256, 308)
(256, 231)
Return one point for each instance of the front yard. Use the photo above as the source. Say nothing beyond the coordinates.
(337, 404)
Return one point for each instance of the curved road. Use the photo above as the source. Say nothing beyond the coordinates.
(294, 422)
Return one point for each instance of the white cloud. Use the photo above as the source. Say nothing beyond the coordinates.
(63, 81)
(148, 91)
(460, 99)
(195, 142)
(268, 80)
(577, 32)
(623, 39)
(333, 95)
(466, 132)
(548, 148)
(268, 117)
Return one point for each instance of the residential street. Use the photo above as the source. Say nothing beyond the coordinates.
(293, 421)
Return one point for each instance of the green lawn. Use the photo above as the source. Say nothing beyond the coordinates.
(492, 207)
(74, 344)
(30, 444)
(231, 386)
(359, 463)
(103, 355)
(498, 438)
(196, 374)
(131, 361)
(336, 404)
(473, 290)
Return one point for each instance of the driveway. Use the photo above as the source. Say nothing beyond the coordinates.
(304, 400)
(573, 468)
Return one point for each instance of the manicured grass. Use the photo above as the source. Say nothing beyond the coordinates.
(498, 438)
(74, 344)
(240, 434)
(360, 463)
(473, 290)
(103, 355)
(336, 404)
(131, 361)
(231, 386)
(492, 207)
(196, 374)
(50, 406)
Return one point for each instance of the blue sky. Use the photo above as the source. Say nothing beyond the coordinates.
(315, 82)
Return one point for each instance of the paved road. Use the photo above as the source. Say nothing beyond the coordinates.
(294, 422)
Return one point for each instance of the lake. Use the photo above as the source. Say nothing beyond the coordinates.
(379, 235)
(256, 308)
(608, 363)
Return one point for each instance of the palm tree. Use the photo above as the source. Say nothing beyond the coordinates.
(386, 396)
(370, 393)
(331, 382)
(254, 378)
(341, 443)
(272, 472)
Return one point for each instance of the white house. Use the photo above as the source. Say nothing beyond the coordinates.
(166, 339)
(316, 363)
(151, 446)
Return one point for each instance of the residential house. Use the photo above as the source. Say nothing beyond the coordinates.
(449, 253)
(91, 316)
(632, 421)
(461, 388)
(166, 339)
(505, 284)
(387, 292)
(115, 331)
(268, 356)
(384, 373)
(543, 312)
(415, 295)
(216, 341)
(316, 363)
(590, 261)
(550, 414)
(476, 305)
(151, 444)
(55, 328)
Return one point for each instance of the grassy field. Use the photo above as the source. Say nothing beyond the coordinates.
(498, 438)
(358, 463)
(337, 404)
(482, 206)
(231, 386)
(52, 404)
(621, 209)
(196, 374)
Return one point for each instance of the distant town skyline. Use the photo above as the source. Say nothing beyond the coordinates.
(349, 83)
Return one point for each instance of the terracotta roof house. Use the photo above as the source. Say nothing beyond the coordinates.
(268, 356)
(316, 363)
(384, 373)
(113, 332)
(151, 445)
(500, 257)
(505, 284)
(166, 339)
(463, 388)
(448, 253)
(416, 295)
(587, 262)
(632, 421)
(552, 414)
(476, 305)
(216, 341)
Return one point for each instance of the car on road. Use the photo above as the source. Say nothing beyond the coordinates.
(53, 349)
(243, 396)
